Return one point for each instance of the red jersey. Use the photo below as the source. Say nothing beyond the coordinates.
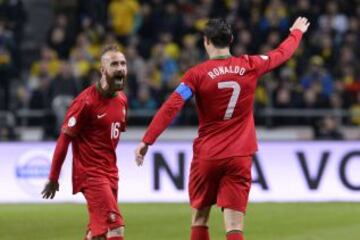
(224, 90)
(94, 122)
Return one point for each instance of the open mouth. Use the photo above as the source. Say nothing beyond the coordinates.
(119, 80)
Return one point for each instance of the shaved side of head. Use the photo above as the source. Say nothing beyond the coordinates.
(107, 49)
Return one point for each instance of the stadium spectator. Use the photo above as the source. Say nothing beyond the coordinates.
(123, 17)
(355, 110)
(307, 9)
(337, 20)
(59, 36)
(275, 17)
(39, 99)
(63, 89)
(93, 31)
(14, 14)
(94, 9)
(190, 54)
(144, 101)
(48, 63)
(164, 49)
(317, 76)
(329, 130)
(147, 29)
(136, 72)
(7, 133)
(168, 54)
(174, 21)
(80, 62)
(84, 48)
(21, 98)
(90, 78)
(7, 64)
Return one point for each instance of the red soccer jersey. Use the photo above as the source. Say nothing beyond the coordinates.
(94, 122)
(224, 90)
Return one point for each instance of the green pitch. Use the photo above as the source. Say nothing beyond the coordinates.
(268, 221)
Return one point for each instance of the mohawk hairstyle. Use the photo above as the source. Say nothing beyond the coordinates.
(109, 48)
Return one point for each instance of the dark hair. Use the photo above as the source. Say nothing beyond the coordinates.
(219, 32)
(109, 48)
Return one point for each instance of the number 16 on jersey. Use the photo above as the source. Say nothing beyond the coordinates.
(115, 130)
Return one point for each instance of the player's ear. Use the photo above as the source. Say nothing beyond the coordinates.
(206, 41)
(231, 39)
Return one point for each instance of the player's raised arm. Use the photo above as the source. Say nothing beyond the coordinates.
(278, 56)
(162, 119)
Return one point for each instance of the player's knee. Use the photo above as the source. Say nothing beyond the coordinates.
(116, 232)
(200, 217)
(234, 220)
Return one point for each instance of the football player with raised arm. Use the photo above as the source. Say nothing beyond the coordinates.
(224, 89)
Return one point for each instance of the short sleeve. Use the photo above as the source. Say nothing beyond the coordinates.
(189, 79)
(75, 118)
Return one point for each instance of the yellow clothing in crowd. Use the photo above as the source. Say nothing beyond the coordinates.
(51, 67)
(355, 111)
(122, 14)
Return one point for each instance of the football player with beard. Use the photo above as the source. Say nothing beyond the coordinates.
(92, 125)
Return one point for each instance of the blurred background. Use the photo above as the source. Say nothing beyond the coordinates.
(49, 53)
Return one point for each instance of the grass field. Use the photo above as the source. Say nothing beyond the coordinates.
(265, 221)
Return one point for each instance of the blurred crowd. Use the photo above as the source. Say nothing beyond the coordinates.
(12, 19)
(162, 39)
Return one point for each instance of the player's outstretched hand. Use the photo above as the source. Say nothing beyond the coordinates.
(301, 23)
(50, 189)
(140, 153)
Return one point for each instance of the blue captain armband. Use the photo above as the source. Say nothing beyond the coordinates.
(184, 91)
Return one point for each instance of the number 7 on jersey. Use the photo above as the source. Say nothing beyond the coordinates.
(234, 97)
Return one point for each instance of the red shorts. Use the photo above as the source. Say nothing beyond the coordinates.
(225, 182)
(103, 208)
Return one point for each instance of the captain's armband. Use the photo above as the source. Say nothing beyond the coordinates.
(184, 91)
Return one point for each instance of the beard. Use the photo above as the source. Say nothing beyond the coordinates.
(116, 80)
